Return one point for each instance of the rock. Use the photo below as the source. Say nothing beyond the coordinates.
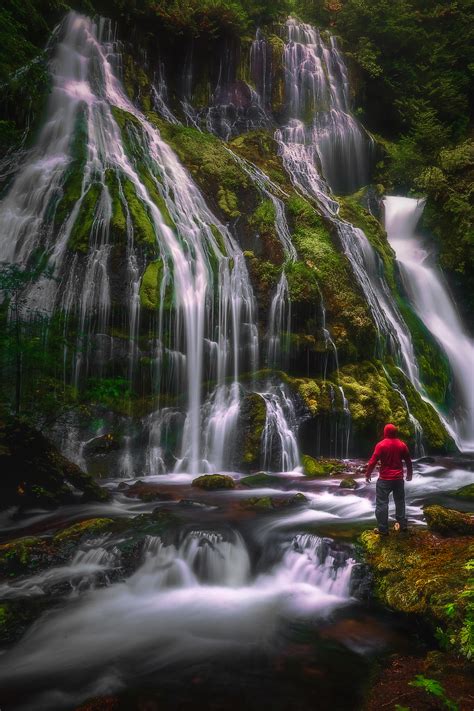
(348, 483)
(251, 421)
(35, 473)
(449, 522)
(84, 529)
(465, 493)
(147, 492)
(425, 574)
(122, 486)
(320, 467)
(210, 482)
(297, 500)
(262, 503)
(426, 460)
(24, 555)
(260, 481)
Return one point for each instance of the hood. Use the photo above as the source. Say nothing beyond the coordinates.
(390, 431)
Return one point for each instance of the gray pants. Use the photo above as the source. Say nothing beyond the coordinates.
(383, 489)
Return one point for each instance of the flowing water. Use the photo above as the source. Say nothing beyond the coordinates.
(431, 300)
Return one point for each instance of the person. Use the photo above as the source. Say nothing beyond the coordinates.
(391, 452)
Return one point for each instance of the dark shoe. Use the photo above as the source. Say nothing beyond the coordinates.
(380, 533)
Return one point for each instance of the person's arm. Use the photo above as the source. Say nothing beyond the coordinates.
(372, 463)
(409, 464)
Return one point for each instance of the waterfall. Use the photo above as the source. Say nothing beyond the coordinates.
(279, 446)
(430, 298)
(204, 277)
(314, 154)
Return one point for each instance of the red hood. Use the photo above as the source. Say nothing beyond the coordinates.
(390, 431)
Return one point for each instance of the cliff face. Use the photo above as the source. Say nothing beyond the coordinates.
(182, 193)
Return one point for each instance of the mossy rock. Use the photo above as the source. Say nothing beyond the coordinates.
(260, 481)
(262, 503)
(24, 555)
(465, 493)
(449, 522)
(211, 482)
(313, 468)
(85, 221)
(428, 575)
(150, 287)
(348, 483)
(84, 529)
(17, 615)
(251, 422)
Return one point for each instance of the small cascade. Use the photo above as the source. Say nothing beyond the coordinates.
(279, 446)
(279, 326)
(430, 298)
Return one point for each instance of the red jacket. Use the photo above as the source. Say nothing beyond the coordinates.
(391, 453)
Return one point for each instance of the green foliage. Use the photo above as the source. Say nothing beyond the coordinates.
(434, 688)
(108, 392)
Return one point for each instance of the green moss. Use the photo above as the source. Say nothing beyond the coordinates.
(253, 414)
(142, 224)
(210, 482)
(465, 493)
(227, 201)
(313, 468)
(21, 555)
(348, 483)
(262, 503)
(424, 574)
(260, 481)
(90, 527)
(150, 285)
(118, 222)
(263, 218)
(449, 522)
(80, 234)
(72, 187)
(136, 82)
(434, 432)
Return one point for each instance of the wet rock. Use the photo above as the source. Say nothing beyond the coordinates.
(426, 574)
(252, 416)
(465, 493)
(210, 482)
(348, 483)
(426, 460)
(449, 522)
(84, 529)
(102, 445)
(298, 499)
(320, 467)
(16, 616)
(260, 481)
(122, 486)
(35, 473)
(25, 555)
(261, 503)
(147, 492)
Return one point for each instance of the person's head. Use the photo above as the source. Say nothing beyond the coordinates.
(390, 431)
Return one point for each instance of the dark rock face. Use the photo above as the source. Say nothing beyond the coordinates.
(35, 473)
(249, 432)
(449, 522)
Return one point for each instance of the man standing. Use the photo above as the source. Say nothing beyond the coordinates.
(391, 452)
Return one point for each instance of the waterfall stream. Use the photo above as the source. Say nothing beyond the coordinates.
(432, 302)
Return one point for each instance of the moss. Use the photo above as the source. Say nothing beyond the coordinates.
(136, 82)
(465, 493)
(118, 222)
(313, 468)
(434, 432)
(142, 224)
(348, 483)
(424, 574)
(210, 482)
(449, 522)
(90, 527)
(262, 503)
(80, 234)
(22, 555)
(260, 148)
(72, 187)
(260, 481)
(351, 324)
(277, 47)
(150, 287)
(227, 201)
(252, 417)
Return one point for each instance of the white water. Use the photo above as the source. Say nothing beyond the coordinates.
(186, 602)
(430, 298)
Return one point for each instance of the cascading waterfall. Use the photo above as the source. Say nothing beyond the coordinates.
(206, 277)
(319, 154)
(431, 301)
(279, 445)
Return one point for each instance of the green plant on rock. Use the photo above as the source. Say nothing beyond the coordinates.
(434, 688)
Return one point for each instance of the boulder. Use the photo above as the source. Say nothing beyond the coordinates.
(320, 467)
(260, 481)
(449, 522)
(248, 443)
(210, 482)
(348, 483)
(35, 473)
(465, 493)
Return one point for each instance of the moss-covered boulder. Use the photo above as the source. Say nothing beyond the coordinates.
(348, 483)
(260, 481)
(35, 473)
(465, 493)
(313, 468)
(449, 522)
(261, 503)
(250, 426)
(23, 555)
(428, 575)
(84, 529)
(211, 482)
